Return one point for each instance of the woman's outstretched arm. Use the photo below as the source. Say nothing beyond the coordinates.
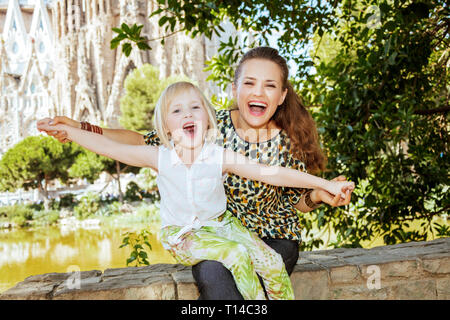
(134, 155)
(120, 135)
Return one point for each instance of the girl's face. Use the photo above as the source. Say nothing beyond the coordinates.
(187, 120)
(259, 92)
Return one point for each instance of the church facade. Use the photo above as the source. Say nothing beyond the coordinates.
(55, 59)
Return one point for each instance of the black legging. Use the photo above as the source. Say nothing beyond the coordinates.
(215, 282)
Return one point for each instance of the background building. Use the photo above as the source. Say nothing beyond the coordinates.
(55, 59)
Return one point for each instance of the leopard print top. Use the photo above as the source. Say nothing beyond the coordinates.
(265, 209)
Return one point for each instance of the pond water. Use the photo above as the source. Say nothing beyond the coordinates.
(26, 252)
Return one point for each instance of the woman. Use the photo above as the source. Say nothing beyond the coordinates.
(269, 124)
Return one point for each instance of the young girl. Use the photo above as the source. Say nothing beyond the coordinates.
(195, 223)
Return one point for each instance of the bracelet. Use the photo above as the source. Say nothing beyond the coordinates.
(309, 202)
(90, 127)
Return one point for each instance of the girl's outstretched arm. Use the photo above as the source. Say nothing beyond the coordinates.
(134, 155)
(280, 176)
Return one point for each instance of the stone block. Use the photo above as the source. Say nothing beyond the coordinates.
(371, 259)
(350, 252)
(118, 272)
(415, 290)
(390, 266)
(32, 290)
(310, 285)
(359, 292)
(154, 288)
(345, 274)
(185, 285)
(317, 257)
(307, 266)
(436, 263)
(400, 269)
(418, 251)
(443, 288)
(55, 276)
(74, 285)
(133, 276)
(331, 263)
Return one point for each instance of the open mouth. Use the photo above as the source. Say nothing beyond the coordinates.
(189, 129)
(257, 108)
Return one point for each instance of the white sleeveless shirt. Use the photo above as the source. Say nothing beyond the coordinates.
(191, 197)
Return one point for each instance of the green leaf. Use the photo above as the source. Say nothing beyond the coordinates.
(143, 46)
(162, 20)
(392, 57)
(126, 49)
(126, 28)
(117, 30)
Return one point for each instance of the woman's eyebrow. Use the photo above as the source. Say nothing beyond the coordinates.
(267, 80)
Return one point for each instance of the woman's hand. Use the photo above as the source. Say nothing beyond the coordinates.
(319, 195)
(335, 187)
(61, 136)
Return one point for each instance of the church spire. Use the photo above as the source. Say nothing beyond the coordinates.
(15, 37)
(42, 34)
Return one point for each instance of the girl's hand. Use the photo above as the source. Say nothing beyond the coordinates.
(60, 135)
(42, 125)
(318, 196)
(46, 126)
(339, 187)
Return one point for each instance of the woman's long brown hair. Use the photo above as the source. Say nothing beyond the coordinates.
(291, 116)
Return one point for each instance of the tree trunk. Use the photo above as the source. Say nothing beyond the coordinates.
(44, 194)
(118, 181)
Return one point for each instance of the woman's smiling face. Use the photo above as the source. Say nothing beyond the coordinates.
(259, 91)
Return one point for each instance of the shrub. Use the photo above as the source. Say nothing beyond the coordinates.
(87, 206)
(148, 211)
(133, 192)
(17, 210)
(136, 242)
(47, 217)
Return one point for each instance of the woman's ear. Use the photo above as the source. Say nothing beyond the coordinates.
(283, 96)
(234, 90)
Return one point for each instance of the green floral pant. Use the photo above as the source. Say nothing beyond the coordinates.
(239, 250)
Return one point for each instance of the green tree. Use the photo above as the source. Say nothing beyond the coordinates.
(382, 105)
(375, 74)
(115, 169)
(143, 87)
(34, 162)
(88, 165)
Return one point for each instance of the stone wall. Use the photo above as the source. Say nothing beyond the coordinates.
(414, 270)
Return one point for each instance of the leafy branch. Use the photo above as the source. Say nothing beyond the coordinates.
(137, 241)
(133, 34)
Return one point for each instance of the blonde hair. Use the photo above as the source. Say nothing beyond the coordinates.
(162, 107)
